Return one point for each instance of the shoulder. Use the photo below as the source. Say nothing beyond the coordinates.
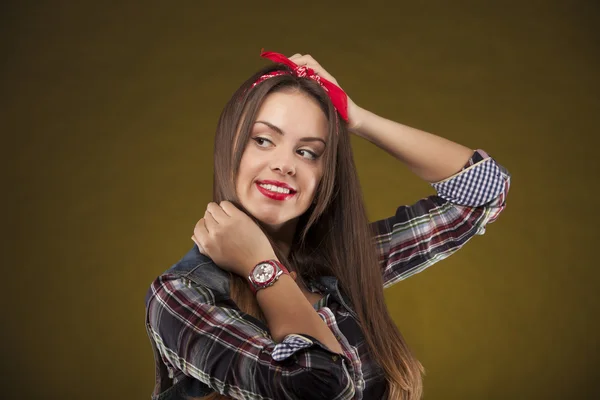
(200, 270)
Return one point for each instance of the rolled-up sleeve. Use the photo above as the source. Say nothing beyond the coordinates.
(211, 340)
(430, 230)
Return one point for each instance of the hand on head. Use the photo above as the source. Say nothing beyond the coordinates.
(353, 110)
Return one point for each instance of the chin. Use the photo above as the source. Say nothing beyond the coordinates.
(271, 218)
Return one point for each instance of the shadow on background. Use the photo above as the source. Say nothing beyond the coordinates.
(108, 117)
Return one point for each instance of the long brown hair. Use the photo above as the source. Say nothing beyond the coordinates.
(333, 237)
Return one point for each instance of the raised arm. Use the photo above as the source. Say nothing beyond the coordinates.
(430, 230)
(430, 157)
(471, 188)
(471, 192)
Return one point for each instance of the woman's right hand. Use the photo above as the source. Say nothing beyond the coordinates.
(231, 239)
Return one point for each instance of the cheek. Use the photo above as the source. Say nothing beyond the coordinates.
(315, 180)
(251, 158)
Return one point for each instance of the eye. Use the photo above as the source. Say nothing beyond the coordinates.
(262, 142)
(308, 154)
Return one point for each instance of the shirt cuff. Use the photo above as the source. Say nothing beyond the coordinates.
(290, 345)
(478, 183)
(293, 343)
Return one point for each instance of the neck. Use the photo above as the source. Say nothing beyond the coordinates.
(283, 235)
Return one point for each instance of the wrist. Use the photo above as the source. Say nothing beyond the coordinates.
(255, 259)
(266, 274)
(359, 115)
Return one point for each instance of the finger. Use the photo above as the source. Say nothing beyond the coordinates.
(200, 236)
(307, 60)
(295, 56)
(200, 231)
(228, 208)
(311, 63)
(316, 67)
(200, 248)
(216, 212)
(209, 221)
(301, 60)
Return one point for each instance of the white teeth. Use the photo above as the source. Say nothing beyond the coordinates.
(274, 188)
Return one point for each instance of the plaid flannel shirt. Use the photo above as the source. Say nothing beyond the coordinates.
(203, 343)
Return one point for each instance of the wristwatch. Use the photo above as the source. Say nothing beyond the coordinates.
(265, 274)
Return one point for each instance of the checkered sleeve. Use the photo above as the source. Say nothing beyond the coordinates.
(474, 186)
(290, 345)
(206, 337)
(430, 230)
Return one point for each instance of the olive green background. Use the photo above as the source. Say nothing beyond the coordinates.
(108, 114)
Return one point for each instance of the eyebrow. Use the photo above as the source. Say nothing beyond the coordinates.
(278, 130)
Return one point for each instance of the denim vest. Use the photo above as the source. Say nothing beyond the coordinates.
(196, 267)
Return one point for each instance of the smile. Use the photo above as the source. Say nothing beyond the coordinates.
(275, 192)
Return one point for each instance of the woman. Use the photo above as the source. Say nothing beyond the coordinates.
(282, 295)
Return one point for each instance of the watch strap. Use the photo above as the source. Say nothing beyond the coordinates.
(280, 269)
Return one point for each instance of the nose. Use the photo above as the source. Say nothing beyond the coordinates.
(284, 165)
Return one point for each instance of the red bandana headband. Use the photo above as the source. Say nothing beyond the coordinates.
(336, 94)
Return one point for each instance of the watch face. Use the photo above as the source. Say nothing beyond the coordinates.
(263, 273)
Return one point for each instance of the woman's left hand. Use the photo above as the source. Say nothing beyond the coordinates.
(354, 111)
(231, 239)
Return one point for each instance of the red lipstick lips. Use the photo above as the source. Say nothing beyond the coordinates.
(275, 195)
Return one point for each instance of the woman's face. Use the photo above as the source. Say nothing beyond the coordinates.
(282, 164)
